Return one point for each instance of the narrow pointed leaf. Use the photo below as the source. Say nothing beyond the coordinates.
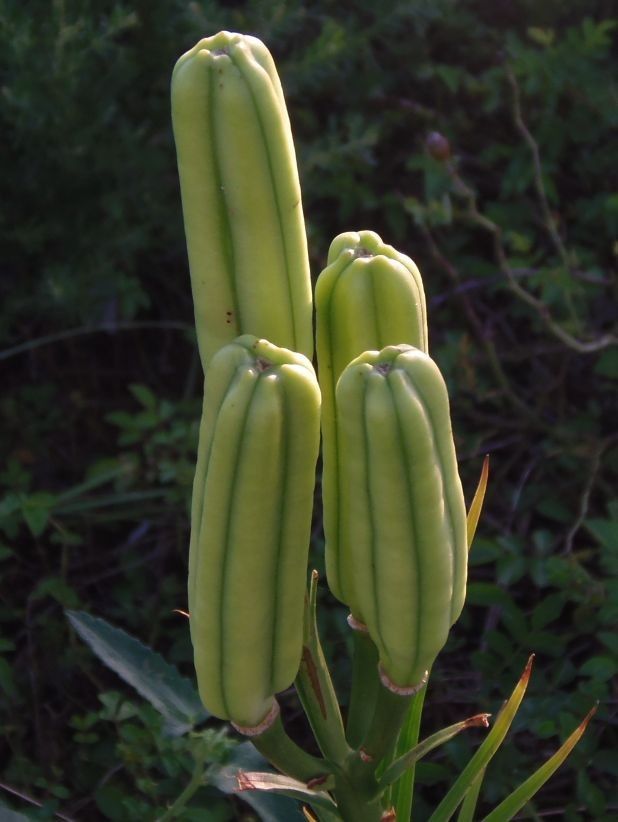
(488, 748)
(315, 687)
(477, 502)
(145, 670)
(394, 771)
(515, 801)
(468, 806)
(402, 792)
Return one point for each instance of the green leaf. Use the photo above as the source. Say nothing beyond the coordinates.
(36, 509)
(315, 687)
(144, 395)
(514, 802)
(468, 806)
(399, 766)
(605, 531)
(607, 364)
(603, 668)
(402, 792)
(547, 611)
(488, 748)
(145, 670)
(476, 505)
(58, 589)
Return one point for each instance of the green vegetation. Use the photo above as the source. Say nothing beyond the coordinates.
(476, 137)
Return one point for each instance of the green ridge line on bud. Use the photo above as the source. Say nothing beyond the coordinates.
(413, 530)
(226, 235)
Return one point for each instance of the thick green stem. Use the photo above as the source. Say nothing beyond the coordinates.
(276, 746)
(356, 798)
(365, 684)
(390, 711)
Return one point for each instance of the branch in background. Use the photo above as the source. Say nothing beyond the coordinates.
(461, 188)
(110, 328)
(475, 323)
(548, 217)
(595, 464)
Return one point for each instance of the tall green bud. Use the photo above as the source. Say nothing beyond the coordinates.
(241, 196)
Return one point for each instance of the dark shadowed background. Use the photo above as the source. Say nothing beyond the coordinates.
(479, 137)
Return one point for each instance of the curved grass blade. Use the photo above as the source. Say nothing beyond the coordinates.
(402, 792)
(514, 802)
(468, 806)
(399, 766)
(315, 687)
(476, 505)
(488, 748)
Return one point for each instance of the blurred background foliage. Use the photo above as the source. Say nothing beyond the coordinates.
(474, 135)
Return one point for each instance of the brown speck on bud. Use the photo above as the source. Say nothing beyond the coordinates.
(438, 146)
(389, 816)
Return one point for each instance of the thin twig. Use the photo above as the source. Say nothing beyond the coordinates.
(110, 328)
(31, 801)
(490, 350)
(595, 464)
(548, 217)
(473, 213)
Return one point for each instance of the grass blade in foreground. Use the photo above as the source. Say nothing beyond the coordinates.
(402, 792)
(515, 801)
(479, 761)
(468, 806)
(411, 758)
(315, 687)
(477, 502)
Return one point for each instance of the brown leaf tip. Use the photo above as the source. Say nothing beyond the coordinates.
(244, 782)
(584, 723)
(477, 721)
(525, 677)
